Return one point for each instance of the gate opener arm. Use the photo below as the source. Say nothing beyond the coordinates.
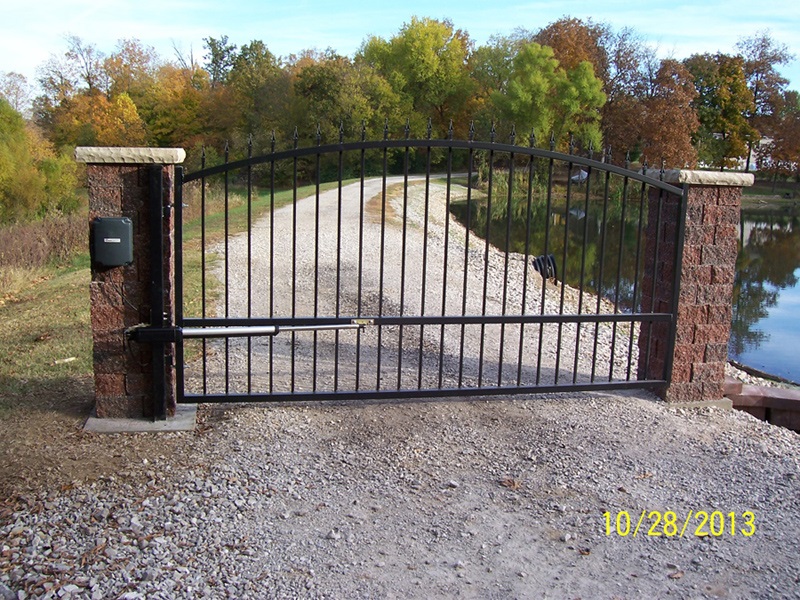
(176, 334)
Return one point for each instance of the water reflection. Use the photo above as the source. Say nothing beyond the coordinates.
(598, 265)
(766, 295)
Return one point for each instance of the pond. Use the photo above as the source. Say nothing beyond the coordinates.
(766, 296)
(766, 301)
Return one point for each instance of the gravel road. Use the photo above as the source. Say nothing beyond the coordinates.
(502, 498)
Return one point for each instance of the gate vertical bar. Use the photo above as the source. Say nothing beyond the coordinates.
(446, 250)
(157, 317)
(179, 354)
(486, 256)
(617, 285)
(385, 169)
(467, 230)
(361, 216)
(548, 218)
(509, 206)
(424, 266)
(564, 259)
(583, 271)
(599, 287)
(227, 272)
(249, 262)
(527, 251)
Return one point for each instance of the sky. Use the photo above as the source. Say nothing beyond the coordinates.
(31, 33)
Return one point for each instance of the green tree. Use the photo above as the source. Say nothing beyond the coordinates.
(426, 65)
(33, 179)
(220, 57)
(334, 92)
(542, 96)
(722, 103)
(262, 92)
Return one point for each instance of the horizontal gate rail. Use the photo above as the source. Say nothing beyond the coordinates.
(404, 283)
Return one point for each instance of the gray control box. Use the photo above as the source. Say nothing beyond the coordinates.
(112, 241)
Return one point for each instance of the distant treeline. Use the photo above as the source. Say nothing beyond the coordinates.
(572, 79)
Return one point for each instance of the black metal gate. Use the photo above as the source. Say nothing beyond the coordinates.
(414, 268)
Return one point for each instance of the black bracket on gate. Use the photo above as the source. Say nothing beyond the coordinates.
(155, 335)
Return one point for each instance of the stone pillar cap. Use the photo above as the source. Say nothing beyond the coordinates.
(129, 156)
(717, 178)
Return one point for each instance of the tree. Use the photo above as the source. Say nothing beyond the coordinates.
(15, 90)
(761, 57)
(542, 96)
(87, 63)
(33, 179)
(670, 120)
(426, 64)
(176, 119)
(574, 42)
(132, 69)
(220, 58)
(335, 91)
(91, 119)
(723, 100)
(262, 91)
(780, 154)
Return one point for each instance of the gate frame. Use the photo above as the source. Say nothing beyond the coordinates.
(710, 212)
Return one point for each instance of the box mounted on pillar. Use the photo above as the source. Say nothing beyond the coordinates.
(112, 241)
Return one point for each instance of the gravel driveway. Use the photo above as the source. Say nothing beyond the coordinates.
(506, 498)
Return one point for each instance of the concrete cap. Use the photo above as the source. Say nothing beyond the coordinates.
(129, 156)
(717, 178)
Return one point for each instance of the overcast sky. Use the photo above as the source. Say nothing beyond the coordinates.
(32, 32)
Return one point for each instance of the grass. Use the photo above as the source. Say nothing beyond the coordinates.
(46, 333)
(45, 325)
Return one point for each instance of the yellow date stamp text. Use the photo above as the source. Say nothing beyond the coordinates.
(701, 523)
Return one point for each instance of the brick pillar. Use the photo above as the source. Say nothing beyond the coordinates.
(119, 181)
(706, 284)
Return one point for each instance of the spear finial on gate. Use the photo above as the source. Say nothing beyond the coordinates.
(203, 158)
(363, 130)
(272, 142)
(319, 134)
(493, 133)
(644, 166)
(552, 141)
(608, 154)
(471, 131)
(591, 150)
(450, 131)
(408, 129)
(571, 143)
(429, 130)
(386, 129)
(341, 132)
(532, 138)
(227, 151)
(250, 145)
(513, 137)
(628, 159)
(295, 137)
(663, 169)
